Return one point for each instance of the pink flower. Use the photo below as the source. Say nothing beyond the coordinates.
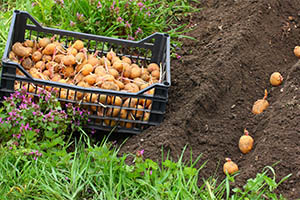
(99, 5)
(120, 19)
(72, 24)
(140, 4)
(127, 25)
(150, 172)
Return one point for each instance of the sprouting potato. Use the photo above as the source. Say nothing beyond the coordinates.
(44, 42)
(110, 55)
(136, 71)
(58, 58)
(78, 78)
(56, 78)
(110, 122)
(138, 113)
(87, 69)
(90, 79)
(29, 43)
(139, 82)
(72, 51)
(130, 102)
(131, 87)
(143, 86)
(40, 65)
(93, 60)
(49, 49)
(69, 60)
(78, 44)
(152, 67)
(120, 84)
(117, 101)
(36, 56)
(127, 71)
(100, 71)
(113, 72)
(69, 71)
(80, 57)
(114, 112)
(126, 59)
(109, 85)
(20, 50)
(46, 58)
(155, 74)
(46, 73)
(115, 59)
(27, 63)
(118, 65)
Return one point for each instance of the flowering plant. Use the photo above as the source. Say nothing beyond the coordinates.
(29, 123)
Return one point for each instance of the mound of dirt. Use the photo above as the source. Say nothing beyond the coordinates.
(239, 44)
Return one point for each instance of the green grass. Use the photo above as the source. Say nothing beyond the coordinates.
(96, 172)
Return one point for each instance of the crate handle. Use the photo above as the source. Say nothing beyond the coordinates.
(28, 16)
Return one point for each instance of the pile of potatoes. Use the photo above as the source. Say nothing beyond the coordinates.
(48, 59)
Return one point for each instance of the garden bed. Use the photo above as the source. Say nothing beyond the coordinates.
(217, 80)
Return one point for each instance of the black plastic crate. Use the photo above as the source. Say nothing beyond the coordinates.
(153, 49)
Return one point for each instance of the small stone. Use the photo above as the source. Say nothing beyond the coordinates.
(281, 90)
(233, 106)
(142, 140)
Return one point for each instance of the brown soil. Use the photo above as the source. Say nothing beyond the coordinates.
(239, 43)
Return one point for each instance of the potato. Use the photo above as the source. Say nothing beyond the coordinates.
(143, 86)
(130, 102)
(93, 60)
(152, 67)
(13, 57)
(145, 102)
(78, 44)
(69, 71)
(145, 77)
(49, 49)
(126, 59)
(44, 42)
(82, 84)
(110, 55)
(139, 82)
(118, 65)
(155, 74)
(131, 87)
(58, 58)
(40, 65)
(33, 71)
(115, 59)
(20, 50)
(105, 62)
(87, 69)
(136, 71)
(113, 72)
(46, 73)
(27, 63)
(110, 122)
(146, 116)
(79, 67)
(116, 101)
(56, 78)
(104, 99)
(80, 57)
(120, 84)
(78, 78)
(127, 70)
(100, 71)
(69, 60)
(109, 85)
(72, 51)
(29, 43)
(138, 113)
(113, 112)
(36, 56)
(46, 58)
(90, 79)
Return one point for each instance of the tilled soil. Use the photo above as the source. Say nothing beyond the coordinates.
(239, 44)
